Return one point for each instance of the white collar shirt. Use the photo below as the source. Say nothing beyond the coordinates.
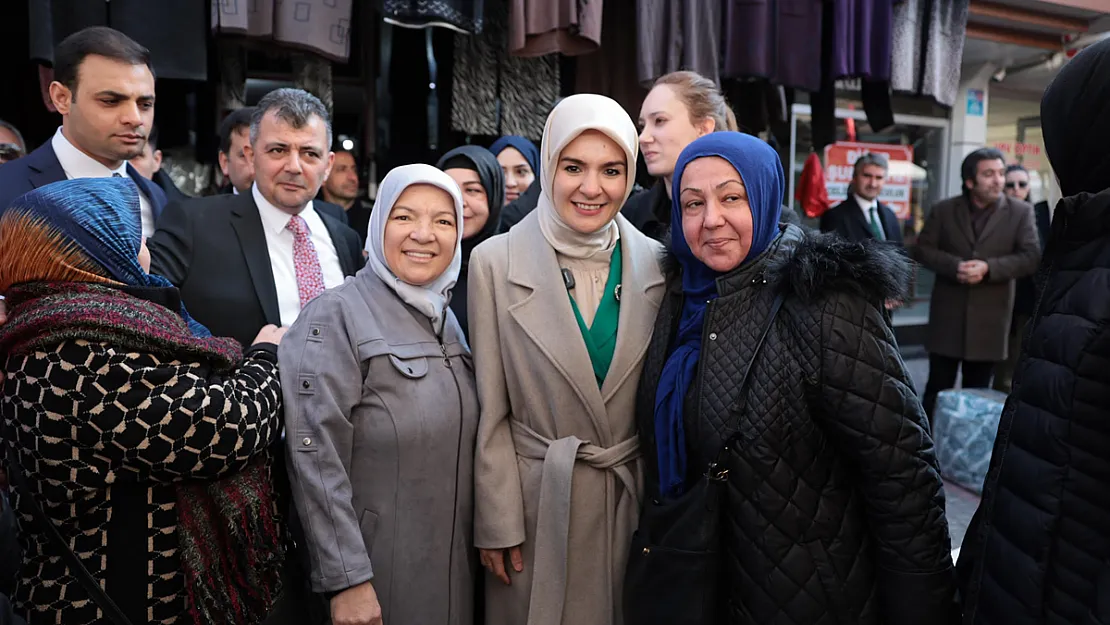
(279, 245)
(866, 206)
(77, 164)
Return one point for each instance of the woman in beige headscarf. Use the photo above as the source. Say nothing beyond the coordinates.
(561, 310)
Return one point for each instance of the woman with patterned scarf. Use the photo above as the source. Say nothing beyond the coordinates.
(143, 439)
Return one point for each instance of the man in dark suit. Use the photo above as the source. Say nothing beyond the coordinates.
(244, 261)
(104, 88)
(862, 216)
(238, 167)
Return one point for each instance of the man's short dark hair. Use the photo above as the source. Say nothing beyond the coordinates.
(293, 106)
(233, 123)
(339, 149)
(1015, 167)
(98, 40)
(10, 127)
(969, 170)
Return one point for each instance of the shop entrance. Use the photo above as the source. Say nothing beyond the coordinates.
(919, 181)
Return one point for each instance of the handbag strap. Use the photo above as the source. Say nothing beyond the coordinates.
(76, 568)
(775, 306)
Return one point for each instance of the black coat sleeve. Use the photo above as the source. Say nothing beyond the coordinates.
(868, 407)
(171, 245)
(830, 221)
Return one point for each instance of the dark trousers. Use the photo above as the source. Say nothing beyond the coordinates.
(942, 376)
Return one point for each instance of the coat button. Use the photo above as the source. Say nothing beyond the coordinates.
(315, 331)
(647, 551)
(307, 442)
(712, 336)
(306, 384)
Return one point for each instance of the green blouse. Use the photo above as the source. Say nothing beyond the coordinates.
(601, 337)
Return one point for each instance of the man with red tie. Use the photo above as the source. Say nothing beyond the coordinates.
(244, 261)
(248, 260)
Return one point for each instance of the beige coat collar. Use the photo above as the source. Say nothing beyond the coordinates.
(545, 314)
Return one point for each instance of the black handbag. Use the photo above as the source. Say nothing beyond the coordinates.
(674, 571)
(76, 568)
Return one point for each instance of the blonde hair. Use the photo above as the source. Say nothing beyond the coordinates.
(702, 98)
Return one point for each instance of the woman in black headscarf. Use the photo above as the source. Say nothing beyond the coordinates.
(479, 175)
(1038, 551)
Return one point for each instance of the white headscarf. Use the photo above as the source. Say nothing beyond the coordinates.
(571, 117)
(430, 299)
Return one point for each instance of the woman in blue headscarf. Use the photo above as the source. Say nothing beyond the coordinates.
(832, 504)
(520, 162)
(143, 439)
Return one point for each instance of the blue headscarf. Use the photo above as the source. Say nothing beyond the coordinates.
(527, 148)
(761, 172)
(101, 216)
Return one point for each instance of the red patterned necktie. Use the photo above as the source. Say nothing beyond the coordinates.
(310, 278)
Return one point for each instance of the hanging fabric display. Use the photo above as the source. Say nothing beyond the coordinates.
(928, 43)
(497, 94)
(606, 72)
(464, 16)
(674, 35)
(539, 27)
(856, 44)
(322, 27)
(777, 40)
(172, 30)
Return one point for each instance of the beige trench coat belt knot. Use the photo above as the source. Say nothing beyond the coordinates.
(549, 583)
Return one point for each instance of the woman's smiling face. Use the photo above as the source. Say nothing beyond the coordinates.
(716, 215)
(590, 183)
(420, 235)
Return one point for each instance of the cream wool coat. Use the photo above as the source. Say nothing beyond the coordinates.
(557, 461)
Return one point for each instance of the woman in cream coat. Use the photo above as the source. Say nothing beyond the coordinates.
(561, 310)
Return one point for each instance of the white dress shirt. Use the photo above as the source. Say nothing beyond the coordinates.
(77, 164)
(279, 243)
(866, 206)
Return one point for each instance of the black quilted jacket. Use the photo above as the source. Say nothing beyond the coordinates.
(1038, 552)
(835, 510)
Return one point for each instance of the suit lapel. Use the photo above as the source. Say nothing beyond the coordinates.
(146, 187)
(548, 320)
(963, 221)
(342, 250)
(1001, 213)
(252, 239)
(641, 293)
(859, 218)
(44, 167)
(890, 222)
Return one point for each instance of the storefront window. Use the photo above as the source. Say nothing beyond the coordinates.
(1014, 128)
(917, 146)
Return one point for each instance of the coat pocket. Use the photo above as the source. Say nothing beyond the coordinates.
(411, 368)
(368, 527)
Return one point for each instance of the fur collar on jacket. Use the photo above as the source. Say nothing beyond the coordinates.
(810, 265)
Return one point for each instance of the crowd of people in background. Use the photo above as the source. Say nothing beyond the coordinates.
(515, 388)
